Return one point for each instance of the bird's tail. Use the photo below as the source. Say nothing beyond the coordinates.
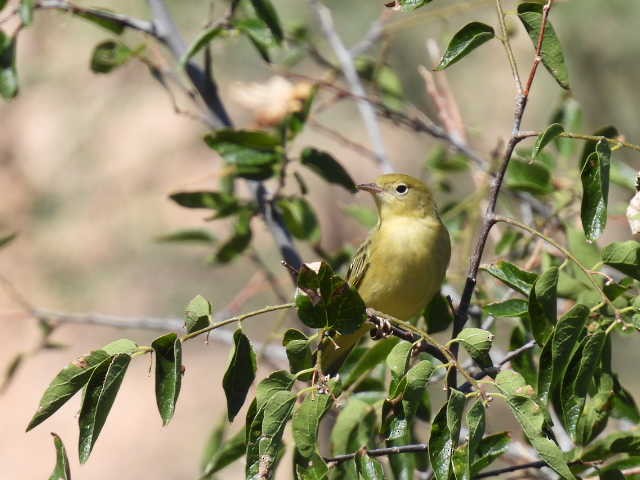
(334, 350)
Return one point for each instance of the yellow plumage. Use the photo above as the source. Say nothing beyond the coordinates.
(402, 264)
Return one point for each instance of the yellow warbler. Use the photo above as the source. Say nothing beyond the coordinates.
(401, 265)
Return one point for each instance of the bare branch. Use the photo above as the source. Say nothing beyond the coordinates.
(355, 85)
(489, 221)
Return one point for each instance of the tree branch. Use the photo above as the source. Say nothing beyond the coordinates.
(351, 75)
(460, 318)
(512, 468)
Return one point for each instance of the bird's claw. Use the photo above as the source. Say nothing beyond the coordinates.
(382, 329)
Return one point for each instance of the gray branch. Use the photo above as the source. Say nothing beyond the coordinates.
(367, 112)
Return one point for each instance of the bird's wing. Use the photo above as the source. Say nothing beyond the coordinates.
(359, 264)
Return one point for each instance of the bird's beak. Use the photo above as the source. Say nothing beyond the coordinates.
(370, 187)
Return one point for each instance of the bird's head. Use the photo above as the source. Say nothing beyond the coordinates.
(397, 194)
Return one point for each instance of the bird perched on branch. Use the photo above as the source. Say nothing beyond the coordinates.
(401, 265)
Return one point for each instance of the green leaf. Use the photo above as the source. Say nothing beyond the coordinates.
(365, 216)
(258, 34)
(168, 350)
(298, 352)
(327, 167)
(623, 256)
(531, 417)
(596, 411)
(349, 418)
(549, 134)
(61, 471)
(8, 74)
(559, 350)
(463, 455)
(11, 370)
(608, 131)
(440, 446)
(476, 425)
(250, 154)
(372, 357)
(224, 204)
(306, 420)
(299, 218)
(202, 40)
(511, 275)
(477, 342)
(267, 13)
(595, 190)
(409, 5)
(529, 177)
(313, 468)
(523, 363)
(368, 467)
(262, 456)
(228, 452)
(398, 359)
(100, 393)
(438, 314)
(7, 239)
(188, 236)
(552, 57)
(490, 449)
(109, 55)
(239, 241)
(455, 407)
(575, 388)
(113, 26)
(240, 373)
(197, 314)
(542, 305)
(513, 307)
(324, 299)
(73, 377)
(441, 159)
(27, 8)
(467, 39)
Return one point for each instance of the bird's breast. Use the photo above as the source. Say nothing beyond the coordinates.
(408, 261)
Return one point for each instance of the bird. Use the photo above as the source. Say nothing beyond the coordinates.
(401, 265)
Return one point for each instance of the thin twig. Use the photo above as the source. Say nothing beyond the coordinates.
(379, 452)
(615, 142)
(355, 85)
(512, 468)
(489, 221)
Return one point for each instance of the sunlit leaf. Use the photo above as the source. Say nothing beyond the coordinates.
(73, 377)
(549, 134)
(306, 420)
(467, 39)
(61, 471)
(110, 55)
(202, 40)
(623, 256)
(168, 350)
(595, 190)
(100, 393)
(513, 307)
(477, 342)
(512, 275)
(268, 14)
(300, 219)
(197, 314)
(542, 305)
(531, 15)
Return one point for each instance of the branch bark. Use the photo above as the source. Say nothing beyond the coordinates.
(355, 85)
(489, 221)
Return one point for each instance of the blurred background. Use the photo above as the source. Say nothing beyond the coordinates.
(87, 163)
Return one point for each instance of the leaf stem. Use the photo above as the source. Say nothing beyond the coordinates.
(614, 142)
(504, 38)
(237, 318)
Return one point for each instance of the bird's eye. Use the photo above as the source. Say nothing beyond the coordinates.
(402, 189)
